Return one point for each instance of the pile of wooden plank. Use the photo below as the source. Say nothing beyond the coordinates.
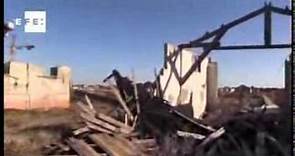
(105, 135)
(140, 128)
(102, 135)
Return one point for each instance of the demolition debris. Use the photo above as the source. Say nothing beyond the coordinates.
(153, 127)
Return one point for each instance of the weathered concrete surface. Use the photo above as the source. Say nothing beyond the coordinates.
(27, 87)
(194, 90)
(212, 85)
(288, 78)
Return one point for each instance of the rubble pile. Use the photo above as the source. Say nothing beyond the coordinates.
(144, 124)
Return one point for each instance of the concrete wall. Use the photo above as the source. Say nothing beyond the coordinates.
(27, 87)
(288, 78)
(194, 89)
(212, 84)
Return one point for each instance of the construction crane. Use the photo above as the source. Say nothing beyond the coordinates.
(8, 27)
(14, 47)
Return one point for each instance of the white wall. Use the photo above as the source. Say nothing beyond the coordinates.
(33, 89)
(195, 85)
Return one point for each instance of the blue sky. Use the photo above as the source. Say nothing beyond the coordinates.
(95, 36)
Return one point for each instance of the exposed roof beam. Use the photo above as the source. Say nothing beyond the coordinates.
(274, 46)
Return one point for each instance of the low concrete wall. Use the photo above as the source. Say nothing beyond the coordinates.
(26, 87)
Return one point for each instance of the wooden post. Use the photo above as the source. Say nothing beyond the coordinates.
(89, 102)
(135, 92)
(122, 102)
(126, 119)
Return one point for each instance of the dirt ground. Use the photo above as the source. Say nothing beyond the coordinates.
(26, 132)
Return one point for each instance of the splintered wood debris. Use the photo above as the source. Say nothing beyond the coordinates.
(146, 125)
(102, 135)
(106, 135)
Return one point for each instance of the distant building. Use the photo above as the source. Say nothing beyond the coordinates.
(242, 89)
(254, 90)
(27, 87)
(239, 91)
(78, 86)
(225, 91)
(288, 77)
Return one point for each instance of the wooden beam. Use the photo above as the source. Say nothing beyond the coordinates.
(103, 124)
(212, 137)
(188, 134)
(191, 120)
(174, 70)
(208, 35)
(81, 130)
(85, 108)
(110, 145)
(113, 121)
(129, 145)
(240, 47)
(158, 84)
(135, 92)
(285, 11)
(81, 147)
(195, 45)
(145, 142)
(98, 128)
(267, 27)
(89, 102)
(122, 102)
(134, 122)
(207, 50)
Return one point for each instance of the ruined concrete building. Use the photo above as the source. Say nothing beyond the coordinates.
(198, 90)
(27, 87)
